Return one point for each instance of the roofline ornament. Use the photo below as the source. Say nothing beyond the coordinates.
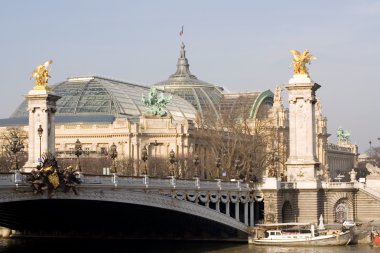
(156, 103)
(343, 136)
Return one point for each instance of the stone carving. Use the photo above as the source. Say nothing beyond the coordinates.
(321, 226)
(155, 103)
(300, 61)
(277, 95)
(343, 135)
(41, 76)
(318, 107)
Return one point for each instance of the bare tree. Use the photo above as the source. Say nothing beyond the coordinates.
(247, 147)
(12, 149)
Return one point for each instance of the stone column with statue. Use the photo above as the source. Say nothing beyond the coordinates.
(41, 108)
(302, 161)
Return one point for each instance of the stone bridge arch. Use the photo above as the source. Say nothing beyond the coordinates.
(174, 206)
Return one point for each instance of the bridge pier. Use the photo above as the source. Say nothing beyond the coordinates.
(228, 209)
(237, 210)
(246, 213)
(251, 213)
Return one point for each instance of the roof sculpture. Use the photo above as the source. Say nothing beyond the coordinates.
(155, 103)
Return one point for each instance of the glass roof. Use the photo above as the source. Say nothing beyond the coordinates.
(208, 98)
(102, 96)
(202, 95)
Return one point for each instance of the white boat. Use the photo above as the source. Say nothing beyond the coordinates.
(298, 236)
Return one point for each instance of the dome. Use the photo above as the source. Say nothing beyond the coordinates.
(96, 97)
(202, 95)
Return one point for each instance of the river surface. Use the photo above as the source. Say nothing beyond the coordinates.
(120, 246)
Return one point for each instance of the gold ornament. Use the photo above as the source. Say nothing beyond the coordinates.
(300, 60)
(41, 76)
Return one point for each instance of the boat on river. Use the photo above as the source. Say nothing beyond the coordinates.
(282, 235)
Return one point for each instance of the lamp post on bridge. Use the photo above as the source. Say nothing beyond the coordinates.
(113, 155)
(40, 131)
(196, 164)
(237, 171)
(16, 146)
(172, 160)
(155, 157)
(144, 157)
(218, 164)
(78, 152)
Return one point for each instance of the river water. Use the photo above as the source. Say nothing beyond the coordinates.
(121, 246)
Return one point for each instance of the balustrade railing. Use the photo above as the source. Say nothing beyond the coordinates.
(7, 179)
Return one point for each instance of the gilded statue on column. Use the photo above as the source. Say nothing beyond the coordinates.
(300, 61)
(41, 76)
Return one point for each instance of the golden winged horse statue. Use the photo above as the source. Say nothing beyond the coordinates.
(41, 76)
(300, 61)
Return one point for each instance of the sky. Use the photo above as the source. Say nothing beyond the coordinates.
(239, 45)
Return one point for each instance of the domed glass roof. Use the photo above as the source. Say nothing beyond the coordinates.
(95, 96)
(202, 95)
(209, 98)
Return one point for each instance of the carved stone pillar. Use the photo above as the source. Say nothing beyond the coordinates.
(302, 161)
(42, 108)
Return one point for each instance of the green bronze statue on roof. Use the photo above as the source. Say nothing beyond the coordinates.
(156, 103)
(343, 135)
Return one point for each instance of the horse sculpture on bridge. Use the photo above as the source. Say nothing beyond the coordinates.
(50, 177)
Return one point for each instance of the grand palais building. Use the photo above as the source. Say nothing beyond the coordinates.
(100, 112)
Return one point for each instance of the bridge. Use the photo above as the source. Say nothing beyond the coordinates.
(130, 207)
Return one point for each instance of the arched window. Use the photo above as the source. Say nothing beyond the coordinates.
(341, 211)
(287, 212)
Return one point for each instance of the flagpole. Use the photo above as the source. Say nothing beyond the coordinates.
(181, 34)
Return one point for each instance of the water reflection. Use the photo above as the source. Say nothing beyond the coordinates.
(121, 246)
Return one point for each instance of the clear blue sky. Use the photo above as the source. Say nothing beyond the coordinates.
(240, 45)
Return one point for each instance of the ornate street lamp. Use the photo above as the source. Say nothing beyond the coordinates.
(155, 157)
(236, 165)
(113, 155)
(144, 157)
(16, 146)
(40, 131)
(78, 152)
(196, 163)
(172, 160)
(218, 164)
